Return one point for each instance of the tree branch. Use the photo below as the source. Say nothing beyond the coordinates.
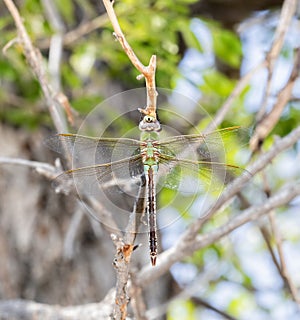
(190, 292)
(187, 240)
(77, 33)
(184, 249)
(42, 168)
(124, 251)
(33, 57)
(287, 12)
(238, 183)
(221, 114)
(283, 267)
(22, 309)
(56, 43)
(269, 122)
(147, 71)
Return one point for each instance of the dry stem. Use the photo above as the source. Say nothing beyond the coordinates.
(147, 71)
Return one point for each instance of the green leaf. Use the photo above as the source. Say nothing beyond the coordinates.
(188, 35)
(182, 309)
(24, 118)
(217, 83)
(85, 104)
(227, 46)
(242, 304)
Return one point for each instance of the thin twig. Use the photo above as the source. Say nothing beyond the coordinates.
(21, 309)
(137, 300)
(95, 208)
(238, 183)
(135, 292)
(220, 115)
(33, 57)
(262, 223)
(283, 270)
(280, 265)
(287, 12)
(147, 71)
(51, 172)
(207, 305)
(184, 248)
(267, 238)
(190, 292)
(77, 33)
(269, 122)
(56, 43)
(42, 168)
(185, 241)
(55, 56)
(71, 233)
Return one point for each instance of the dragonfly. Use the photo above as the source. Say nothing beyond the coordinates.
(172, 163)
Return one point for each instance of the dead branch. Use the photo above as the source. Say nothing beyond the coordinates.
(269, 122)
(221, 114)
(42, 168)
(22, 309)
(238, 183)
(33, 57)
(124, 249)
(51, 172)
(77, 33)
(56, 43)
(287, 12)
(148, 72)
(137, 300)
(283, 267)
(188, 292)
(187, 241)
(267, 235)
(183, 248)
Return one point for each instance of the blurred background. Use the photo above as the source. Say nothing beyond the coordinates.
(50, 250)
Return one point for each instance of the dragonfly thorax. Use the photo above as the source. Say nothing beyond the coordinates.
(149, 152)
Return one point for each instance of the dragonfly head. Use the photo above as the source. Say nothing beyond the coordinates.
(149, 123)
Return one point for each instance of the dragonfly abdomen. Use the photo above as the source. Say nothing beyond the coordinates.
(151, 211)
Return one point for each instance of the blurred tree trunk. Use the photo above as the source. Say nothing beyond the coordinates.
(34, 225)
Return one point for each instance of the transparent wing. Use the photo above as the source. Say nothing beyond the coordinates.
(192, 177)
(121, 175)
(115, 186)
(87, 151)
(203, 147)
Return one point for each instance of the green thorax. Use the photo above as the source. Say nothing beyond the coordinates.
(148, 149)
(149, 136)
(149, 127)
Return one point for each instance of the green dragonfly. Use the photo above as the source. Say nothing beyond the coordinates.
(175, 163)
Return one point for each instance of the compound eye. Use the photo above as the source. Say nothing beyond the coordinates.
(148, 119)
